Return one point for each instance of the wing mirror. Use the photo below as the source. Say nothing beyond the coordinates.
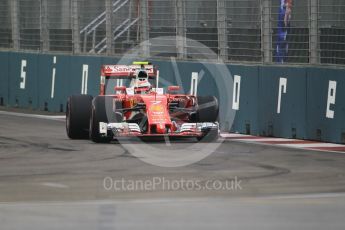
(173, 88)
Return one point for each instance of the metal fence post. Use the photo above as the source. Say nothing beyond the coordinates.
(109, 30)
(15, 24)
(266, 31)
(131, 10)
(75, 26)
(314, 32)
(44, 26)
(181, 29)
(66, 14)
(144, 28)
(222, 31)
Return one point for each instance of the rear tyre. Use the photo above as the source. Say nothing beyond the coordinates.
(99, 114)
(78, 111)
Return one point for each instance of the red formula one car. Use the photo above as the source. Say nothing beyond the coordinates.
(139, 109)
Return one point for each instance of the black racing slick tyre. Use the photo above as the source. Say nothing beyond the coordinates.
(99, 114)
(207, 110)
(78, 111)
(210, 135)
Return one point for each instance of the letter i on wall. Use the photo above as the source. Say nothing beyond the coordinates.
(85, 77)
(52, 93)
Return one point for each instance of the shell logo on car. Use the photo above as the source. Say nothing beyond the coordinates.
(156, 108)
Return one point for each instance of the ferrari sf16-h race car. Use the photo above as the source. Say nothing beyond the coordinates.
(140, 110)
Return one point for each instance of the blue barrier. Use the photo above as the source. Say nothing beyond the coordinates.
(290, 102)
(325, 118)
(4, 75)
(246, 120)
(282, 101)
(23, 80)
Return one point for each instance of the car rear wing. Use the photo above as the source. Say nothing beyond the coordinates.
(126, 71)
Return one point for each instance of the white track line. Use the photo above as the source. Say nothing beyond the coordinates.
(54, 185)
(48, 117)
(300, 144)
(307, 196)
(173, 200)
(311, 145)
(242, 137)
(269, 139)
(234, 135)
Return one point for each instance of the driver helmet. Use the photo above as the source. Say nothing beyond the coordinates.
(143, 80)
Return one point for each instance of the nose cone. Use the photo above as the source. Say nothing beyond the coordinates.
(161, 129)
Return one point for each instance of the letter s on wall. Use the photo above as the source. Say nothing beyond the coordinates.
(23, 74)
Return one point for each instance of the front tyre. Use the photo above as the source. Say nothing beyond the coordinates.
(99, 114)
(209, 135)
(78, 109)
(208, 109)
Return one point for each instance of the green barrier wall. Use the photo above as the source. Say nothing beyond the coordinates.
(246, 120)
(311, 100)
(4, 75)
(23, 80)
(291, 121)
(319, 127)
